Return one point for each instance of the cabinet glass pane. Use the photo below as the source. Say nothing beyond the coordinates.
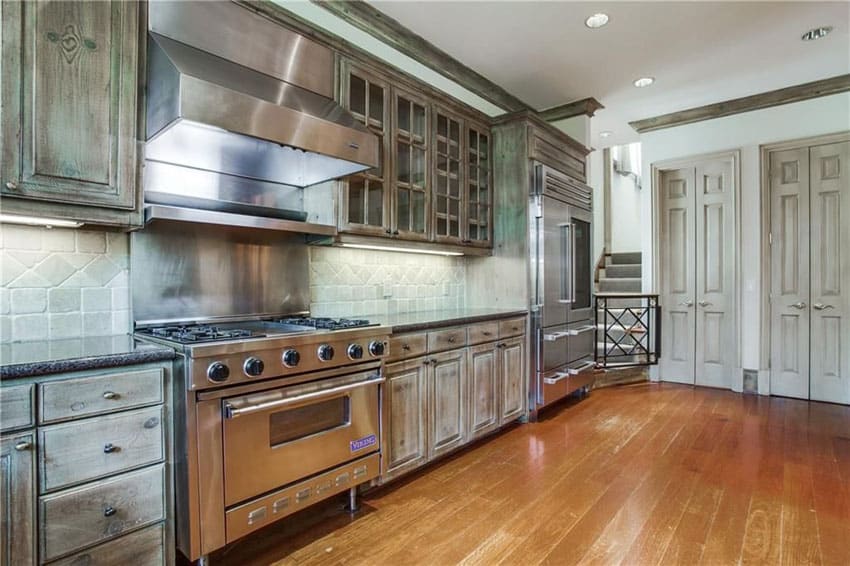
(419, 121)
(403, 162)
(376, 203)
(403, 209)
(356, 200)
(442, 126)
(418, 212)
(417, 167)
(483, 147)
(357, 95)
(581, 264)
(403, 115)
(376, 103)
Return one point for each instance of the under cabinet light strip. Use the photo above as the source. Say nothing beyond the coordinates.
(38, 221)
(394, 249)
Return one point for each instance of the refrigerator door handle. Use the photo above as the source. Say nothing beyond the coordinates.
(567, 277)
(555, 336)
(572, 264)
(559, 376)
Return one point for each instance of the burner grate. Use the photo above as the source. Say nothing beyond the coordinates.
(325, 323)
(199, 333)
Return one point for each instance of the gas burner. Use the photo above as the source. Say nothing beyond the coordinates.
(199, 333)
(325, 323)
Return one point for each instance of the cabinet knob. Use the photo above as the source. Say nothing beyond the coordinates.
(110, 448)
(395, 232)
(405, 347)
(110, 395)
(11, 185)
(109, 511)
(426, 361)
(451, 339)
(23, 445)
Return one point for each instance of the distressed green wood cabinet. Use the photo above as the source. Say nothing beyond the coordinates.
(69, 111)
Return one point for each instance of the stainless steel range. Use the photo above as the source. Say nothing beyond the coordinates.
(272, 416)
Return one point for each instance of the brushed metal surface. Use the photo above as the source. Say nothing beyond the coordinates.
(184, 271)
(202, 216)
(210, 113)
(248, 39)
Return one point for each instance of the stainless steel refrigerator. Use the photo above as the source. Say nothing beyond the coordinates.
(561, 268)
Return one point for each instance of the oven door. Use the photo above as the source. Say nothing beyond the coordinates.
(276, 437)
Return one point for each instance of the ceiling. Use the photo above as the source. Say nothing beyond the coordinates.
(699, 52)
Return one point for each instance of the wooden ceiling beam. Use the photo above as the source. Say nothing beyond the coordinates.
(797, 93)
(583, 107)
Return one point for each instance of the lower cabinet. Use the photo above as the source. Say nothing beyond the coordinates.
(405, 414)
(447, 393)
(17, 499)
(434, 403)
(512, 368)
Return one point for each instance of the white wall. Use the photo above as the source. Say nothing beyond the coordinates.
(626, 222)
(746, 132)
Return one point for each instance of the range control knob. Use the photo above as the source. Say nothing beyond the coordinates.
(218, 372)
(355, 351)
(326, 352)
(253, 367)
(291, 358)
(376, 348)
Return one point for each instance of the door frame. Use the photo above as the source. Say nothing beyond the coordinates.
(657, 168)
(764, 219)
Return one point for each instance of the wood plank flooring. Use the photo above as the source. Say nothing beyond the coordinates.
(633, 475)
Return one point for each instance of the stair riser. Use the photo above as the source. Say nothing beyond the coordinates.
(625, 257)
(619, 285)
(617, 271)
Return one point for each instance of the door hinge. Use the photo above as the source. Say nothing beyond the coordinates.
(770, 238)
(538, 206)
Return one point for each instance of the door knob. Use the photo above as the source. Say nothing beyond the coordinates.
(821, 307)
(799, 305)
(687, 303)
(704, 303)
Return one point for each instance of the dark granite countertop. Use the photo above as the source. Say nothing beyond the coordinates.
(42, 357)
(424, 320)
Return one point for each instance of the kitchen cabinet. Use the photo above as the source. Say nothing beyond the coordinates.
(434, 181)
(69, 117)
(88, 482)
(405, 414)
(17, 499)
(483, 389)
(448, 386)
(511, 383)
(447, 391)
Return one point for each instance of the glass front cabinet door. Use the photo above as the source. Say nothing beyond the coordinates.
(364, 203)
(479, 195)
(448, 172)
(410, 189)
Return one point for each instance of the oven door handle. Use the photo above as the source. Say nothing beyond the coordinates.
(231, 412)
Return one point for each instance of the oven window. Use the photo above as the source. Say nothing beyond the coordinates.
(292, 424)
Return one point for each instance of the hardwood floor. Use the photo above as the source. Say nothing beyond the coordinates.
(634, 475)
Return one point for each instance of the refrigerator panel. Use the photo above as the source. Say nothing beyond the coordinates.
(580, 269)
(555, 242)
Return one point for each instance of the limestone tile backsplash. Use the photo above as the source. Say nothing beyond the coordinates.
(347, 282)
(62, 283)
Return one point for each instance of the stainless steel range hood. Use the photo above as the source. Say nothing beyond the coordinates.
(240, 112)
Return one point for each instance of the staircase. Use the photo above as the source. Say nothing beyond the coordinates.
(622, 273)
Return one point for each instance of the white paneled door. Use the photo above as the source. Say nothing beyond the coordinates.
(810, 272)
(698, 267)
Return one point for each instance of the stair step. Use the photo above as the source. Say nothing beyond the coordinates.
(621, 285)
(625, 257)
(623, 270)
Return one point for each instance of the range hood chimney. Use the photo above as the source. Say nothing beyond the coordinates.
(240, 112)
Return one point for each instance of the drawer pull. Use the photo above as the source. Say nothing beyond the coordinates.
(110, 448)
(23, 445)
(111, 395)
(405, 347)
(451, 339)
(487, 333)
(109, 511)
(11, 185)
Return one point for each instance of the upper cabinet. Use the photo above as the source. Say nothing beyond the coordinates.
(69, 110)
(434, 182)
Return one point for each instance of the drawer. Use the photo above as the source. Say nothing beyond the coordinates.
(140, 548)
(440, 340)
(77, 518)
(483, 332)
(580, 340)
(511, 327)
(79, 451)
(16, 407)
(86, 396)
(407, 346)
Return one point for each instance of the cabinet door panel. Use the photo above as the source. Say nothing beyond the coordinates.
(69, 112)
(483, 390)
(17, 500)
(365, 197)
(447, 388)
(479, 197)
(405, 414)
(449, 163)
(411, 184)
(512, 378)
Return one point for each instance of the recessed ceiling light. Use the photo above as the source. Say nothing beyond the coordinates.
(644, 81)
(596, 21)
(816, 33)
(605, 134)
